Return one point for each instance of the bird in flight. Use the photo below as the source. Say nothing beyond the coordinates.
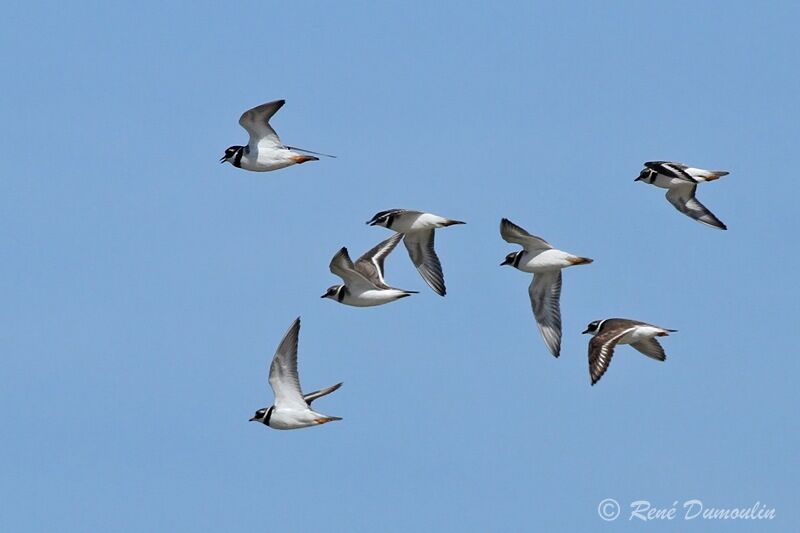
(292, 408)
(364, 285)
(545, 263)
(418, 228)
(681, 183)
(264, 150)
(612, 331)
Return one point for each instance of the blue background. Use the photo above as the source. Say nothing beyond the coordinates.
(145, 287)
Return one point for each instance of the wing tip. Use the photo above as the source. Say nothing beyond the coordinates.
(295, 325)
(340, 253)
(715, 223)
(434, 281)
(507, 227)
(553, 344)
(440, 290)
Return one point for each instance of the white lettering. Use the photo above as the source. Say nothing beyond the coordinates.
(692, 505)
(638, 508)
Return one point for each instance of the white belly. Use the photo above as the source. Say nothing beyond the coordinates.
(264, 162)
(639, 334)
(425, 221)
(372, 297)
(544, 261)
(293, 419)
(665, 182)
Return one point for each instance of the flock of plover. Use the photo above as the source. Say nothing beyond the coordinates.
(364, 284)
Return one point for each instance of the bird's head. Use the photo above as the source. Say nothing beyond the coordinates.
(593, 327)
(333, 292)
(644, 175)
(510, 259)
(384, 218)
(230, 153)
(260, 415)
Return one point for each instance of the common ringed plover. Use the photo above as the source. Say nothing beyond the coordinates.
(364, 285)
(612, 331)
(418, 228)
(292, 408)
(681, 183)
(264, 150)
(545, 263)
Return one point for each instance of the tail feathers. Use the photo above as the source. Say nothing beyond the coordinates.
(716, 174)
(580, 260)
(665, 334)
(300, 159)
(326, 419)
(407, 293)
(452, 223)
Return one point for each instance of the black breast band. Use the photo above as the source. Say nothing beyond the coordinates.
(237, 159)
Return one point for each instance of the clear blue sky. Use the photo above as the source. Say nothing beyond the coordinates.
(145, 286)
